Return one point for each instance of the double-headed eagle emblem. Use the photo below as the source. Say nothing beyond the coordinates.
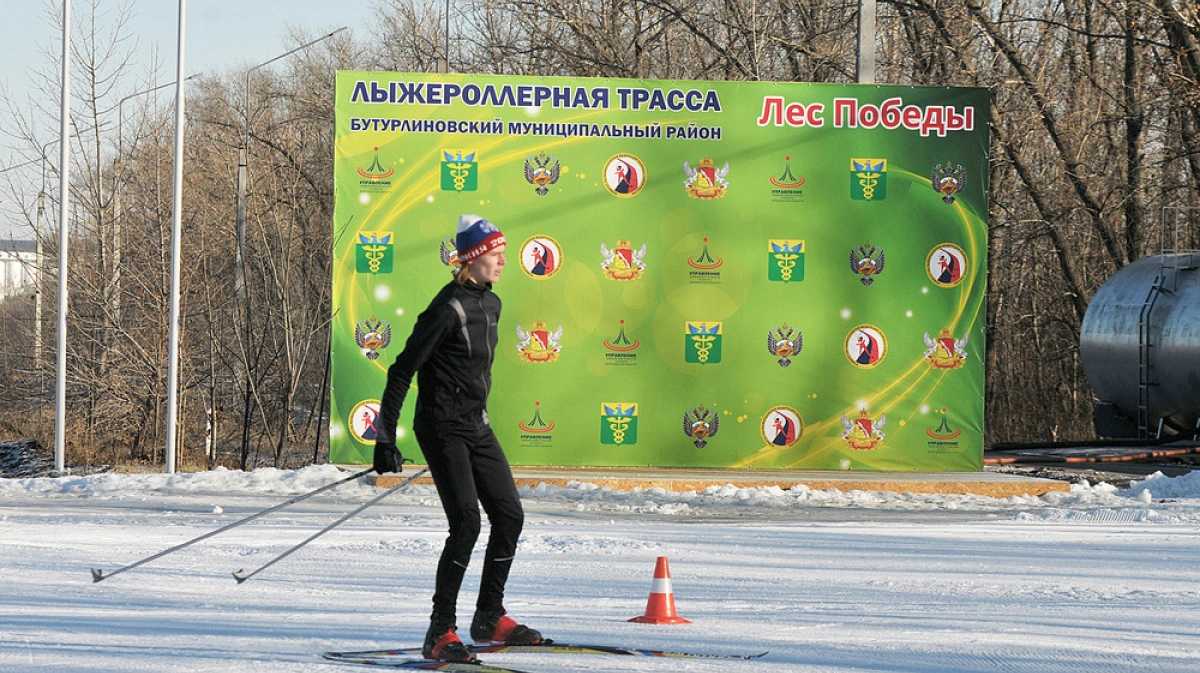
(948, 180)
(449, 254)
(542, 170)
(867, 261)
(784, 342)
(372, 334)
(701, 423)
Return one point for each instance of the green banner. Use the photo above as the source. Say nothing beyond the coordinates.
(734, 274)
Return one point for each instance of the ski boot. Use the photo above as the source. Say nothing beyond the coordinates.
(497, 628)
(443, 644)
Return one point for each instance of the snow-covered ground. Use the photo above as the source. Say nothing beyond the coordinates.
(1096, 580)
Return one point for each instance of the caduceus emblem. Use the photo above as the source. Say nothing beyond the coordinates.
(701, 423)
(542, 170)
(948, 180)
(867, 261)
(784, 342)
(372, 334)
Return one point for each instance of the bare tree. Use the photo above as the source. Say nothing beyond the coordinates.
(1095, 126)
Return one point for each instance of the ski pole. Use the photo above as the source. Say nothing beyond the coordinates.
(98, 574)
(242, 575)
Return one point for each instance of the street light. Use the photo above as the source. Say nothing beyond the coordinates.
(176, 235)
(60, 374)
(865, 64)
(116, 201)
(241, 301)
(120, 106)
(444, 66)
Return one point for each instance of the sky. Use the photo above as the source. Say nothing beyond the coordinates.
(221, 35)
(1099, 579)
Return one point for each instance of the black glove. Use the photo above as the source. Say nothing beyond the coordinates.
(388, 458)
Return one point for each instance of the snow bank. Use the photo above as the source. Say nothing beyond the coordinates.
(265, 481)
(582, 496)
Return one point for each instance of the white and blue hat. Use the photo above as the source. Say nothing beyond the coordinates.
(476, 236)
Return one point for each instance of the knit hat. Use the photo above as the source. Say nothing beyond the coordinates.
(476, 236)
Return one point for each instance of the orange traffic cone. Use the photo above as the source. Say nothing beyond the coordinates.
(660, 609)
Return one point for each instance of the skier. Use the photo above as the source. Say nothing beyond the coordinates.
(451, 350)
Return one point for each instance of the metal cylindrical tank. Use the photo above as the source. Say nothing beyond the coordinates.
(1140, 342)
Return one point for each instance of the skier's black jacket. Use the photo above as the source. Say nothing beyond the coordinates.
(451, 350)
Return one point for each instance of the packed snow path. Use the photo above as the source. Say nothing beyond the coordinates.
(1100, 580)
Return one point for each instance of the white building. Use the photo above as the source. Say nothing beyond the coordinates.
(18, 267)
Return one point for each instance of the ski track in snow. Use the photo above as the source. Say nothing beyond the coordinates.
(1099, 579)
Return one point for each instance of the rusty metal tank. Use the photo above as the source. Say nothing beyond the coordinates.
(1140, 348)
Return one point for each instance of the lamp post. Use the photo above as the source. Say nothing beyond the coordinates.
(176, 226)
(446, 61)
(241, 299)
(60, 375)
(115, 308)
(866, 42)
(37, 292)
(121, 109)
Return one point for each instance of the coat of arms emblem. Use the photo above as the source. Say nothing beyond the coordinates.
(372, 334)
(542, 170)
(539, 344)
(623, 262)
(375, 252)
(701, 423)
(785, 260)
(618, 423)
(948, 180)
(867, 261)
(868, 179)
(784, 342)
(945, 352)
(863, 433)
(702, 345)
(460, 171)
(449, 254)
(706, 181)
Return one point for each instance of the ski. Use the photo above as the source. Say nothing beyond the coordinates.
(552, 647)
(397, 659)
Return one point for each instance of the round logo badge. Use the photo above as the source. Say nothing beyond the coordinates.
(946, 265)
(624, 175)
(541, 257)
(866, 346)
(363, 419)
(782, 426)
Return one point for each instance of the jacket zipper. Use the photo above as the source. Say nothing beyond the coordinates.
(487, 338)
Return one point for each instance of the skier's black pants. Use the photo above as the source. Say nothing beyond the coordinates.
(469, 468)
